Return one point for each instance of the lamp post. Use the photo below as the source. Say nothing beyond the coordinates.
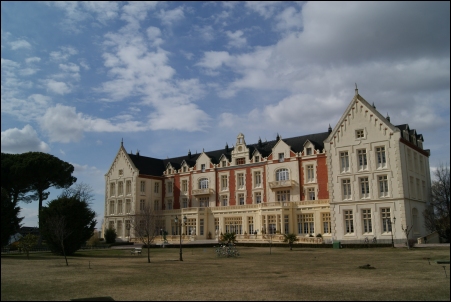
(391, 231)
(179, 224)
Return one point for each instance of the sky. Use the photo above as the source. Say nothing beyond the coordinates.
(77, 78)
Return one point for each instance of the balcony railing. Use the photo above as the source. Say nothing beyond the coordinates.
(282, 184)
(207, 191)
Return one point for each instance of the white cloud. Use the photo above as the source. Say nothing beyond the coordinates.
(28, 71)
(154, 34)
(57, 87)
(64, 124)
(64, 54)
(168, 17)
(22, 140)
(19, 44)
(236, 39)
(32, 60)
(214, 59)
(289, 19)
(263, 8)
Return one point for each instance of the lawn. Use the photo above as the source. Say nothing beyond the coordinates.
(301, 274)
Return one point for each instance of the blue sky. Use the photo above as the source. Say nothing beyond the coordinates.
(168, 77)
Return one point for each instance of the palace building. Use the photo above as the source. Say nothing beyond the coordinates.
(365, 178)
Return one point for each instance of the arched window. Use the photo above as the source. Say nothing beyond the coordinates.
(203, 183)
(282, 174)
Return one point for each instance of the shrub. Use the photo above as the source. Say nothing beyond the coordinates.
(110, 235)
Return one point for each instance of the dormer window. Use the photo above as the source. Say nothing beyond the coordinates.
(257, 159)
(240, 161)
(202, 167)
(184, 168)
(281, 157)
(308, 151)
(224, 163)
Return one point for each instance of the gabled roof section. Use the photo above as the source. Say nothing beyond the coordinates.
(358, 98)
(122, 149)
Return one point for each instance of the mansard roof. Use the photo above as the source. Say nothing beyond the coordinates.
(153, 166)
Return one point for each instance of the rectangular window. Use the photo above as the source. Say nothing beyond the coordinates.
(326, 223)
(344, 161)
(283, 195)
(142, 204)
(169, 203)
(169, 185)
(156, 205)
(240, 161)
(349, 221)
(309, 151)
(367, 225)
(156, 188)
(224, 163)
(202, 167)
(240, 177)
(250, 225)
(412, 188)
(224, 200)
(286, 224)
(112, 207)
(121, 172)
(386, 223)
(112, 189)
(307, 224)
(380, 157)
(310, 174)
(415, 161)
(423, 186)
(201, 227)
(257, 179)
(120, 188)
(128, 187)
(281, 157)
(119, 206)
(311, 193)
(258, 197)
(184, 186)
(346, 185)
(359, 133)
(421, 164)
(184, 203)
(361, 154)
(364, 188)
(143, 186)
(383, 185)
(418, 189)
(204, 202)
(257, 159)
(119, 230)
(128, 206)
(128, 227)
(241, 199)
(224, 182)
(184, 168)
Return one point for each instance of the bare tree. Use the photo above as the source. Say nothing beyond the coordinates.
(145, 225)
(436, 216)
(59, 231)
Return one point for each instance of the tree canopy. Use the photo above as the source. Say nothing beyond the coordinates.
(67, 222)
(10, 220)
(34, 173)
(437, 215)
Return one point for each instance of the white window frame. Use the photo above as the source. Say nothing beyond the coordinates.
(381, 157)
(344, 161)
(282, 174)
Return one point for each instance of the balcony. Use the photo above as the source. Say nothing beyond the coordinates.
(199, 192)
(282, 184)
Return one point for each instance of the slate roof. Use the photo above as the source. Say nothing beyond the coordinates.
(406, 127)
(156, 167)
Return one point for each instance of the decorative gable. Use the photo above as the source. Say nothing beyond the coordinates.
(281, 151)
(240, 154)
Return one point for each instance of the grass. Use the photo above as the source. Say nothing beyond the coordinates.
(301, 274)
